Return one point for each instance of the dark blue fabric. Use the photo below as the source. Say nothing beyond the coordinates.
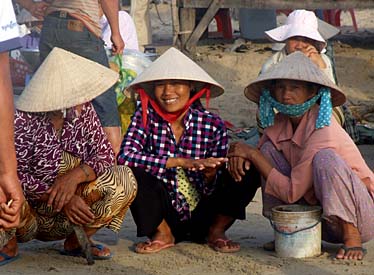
(86, 44)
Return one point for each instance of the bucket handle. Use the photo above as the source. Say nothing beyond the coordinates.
(297, 231)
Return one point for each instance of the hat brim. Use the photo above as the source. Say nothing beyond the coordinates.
(295, 66)
(282, 33)
(64, 80)
(174, 65)
(254, 90)
(148, 87)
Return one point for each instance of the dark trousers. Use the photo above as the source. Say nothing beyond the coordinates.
(153, 204)
(55, 33)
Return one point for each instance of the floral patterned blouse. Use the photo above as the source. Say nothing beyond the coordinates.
(39, 148)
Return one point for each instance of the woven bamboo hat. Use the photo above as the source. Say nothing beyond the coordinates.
(64, 80)
(174, 65)
(295, 66)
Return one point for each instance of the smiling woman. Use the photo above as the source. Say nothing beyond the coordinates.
(176, 150)
(172, 95)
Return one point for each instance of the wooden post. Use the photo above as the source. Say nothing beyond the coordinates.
(175, 21)
(203, 24)
(187, 24)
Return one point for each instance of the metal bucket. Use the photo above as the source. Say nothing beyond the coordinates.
(297, 230)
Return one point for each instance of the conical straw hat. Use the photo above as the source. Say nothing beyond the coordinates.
(295, 66)
(175, 65)
(64, 80)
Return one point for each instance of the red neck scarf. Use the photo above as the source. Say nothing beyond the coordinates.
(170, 117)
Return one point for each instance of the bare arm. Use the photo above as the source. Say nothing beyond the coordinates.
(110, 9)
(10, 188)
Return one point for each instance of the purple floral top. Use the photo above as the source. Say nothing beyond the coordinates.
(39, 150)
(204, 136)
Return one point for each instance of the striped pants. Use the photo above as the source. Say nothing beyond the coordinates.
(109, 197)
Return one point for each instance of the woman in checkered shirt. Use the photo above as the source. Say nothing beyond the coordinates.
(177, 150)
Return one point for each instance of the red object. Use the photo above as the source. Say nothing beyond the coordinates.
(333, 17)
(18, 71)
(223, 20)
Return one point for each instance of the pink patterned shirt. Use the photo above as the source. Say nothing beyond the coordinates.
(39, 149)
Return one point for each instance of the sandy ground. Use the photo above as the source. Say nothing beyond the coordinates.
(355, 70)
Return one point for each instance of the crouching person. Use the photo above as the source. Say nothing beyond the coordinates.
(177, 150)
(65, 163)
(305, 157)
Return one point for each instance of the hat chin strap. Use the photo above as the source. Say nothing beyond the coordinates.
(169, 117)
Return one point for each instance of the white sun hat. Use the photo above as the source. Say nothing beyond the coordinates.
(64, 80)
(295, 66)
(174, 65)
(303, 23)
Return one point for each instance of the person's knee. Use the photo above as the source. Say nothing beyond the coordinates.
(324, 156)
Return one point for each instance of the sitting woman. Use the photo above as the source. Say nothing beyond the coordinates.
(305, 157)
(177, 149)
(304, 32)
(65, 162)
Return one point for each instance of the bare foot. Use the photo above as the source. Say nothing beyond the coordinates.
(352, 249)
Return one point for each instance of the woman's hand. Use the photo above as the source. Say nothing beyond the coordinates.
(315, 56)
(78, 212)
(12, 199)
(202, 164)
(237, 166)
(62, 191)
(240, 157)
(243, 150)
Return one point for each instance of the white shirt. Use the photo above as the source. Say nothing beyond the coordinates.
(9, 32)
(127, 30)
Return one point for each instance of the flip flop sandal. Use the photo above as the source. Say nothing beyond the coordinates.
(7, 259)
(77, 252)
(353, 248)
(162, 245)
(225, 248)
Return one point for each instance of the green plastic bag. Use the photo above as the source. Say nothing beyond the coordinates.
(126, 104)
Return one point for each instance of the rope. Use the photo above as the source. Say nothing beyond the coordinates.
(158, 15)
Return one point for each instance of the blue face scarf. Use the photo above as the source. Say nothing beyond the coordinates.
(268, 103)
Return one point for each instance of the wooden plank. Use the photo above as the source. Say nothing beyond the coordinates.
(187, 24)
(284, 4)
(175, 21)
(203, 24)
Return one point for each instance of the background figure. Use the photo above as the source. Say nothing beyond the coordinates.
(126, 28)
(74, 25)
(140, 13)
(10, 189)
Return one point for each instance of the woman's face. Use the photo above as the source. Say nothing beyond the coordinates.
(298, 43)
(292, 92)
(172, 95)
